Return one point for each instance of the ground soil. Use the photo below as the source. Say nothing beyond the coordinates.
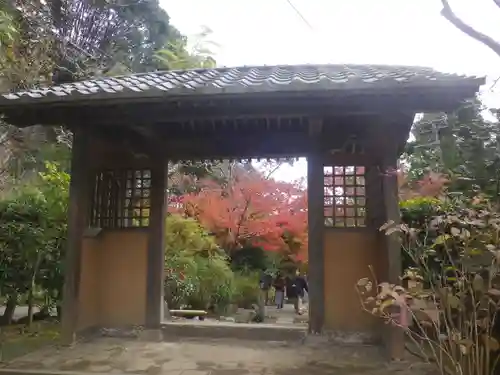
(215, 357)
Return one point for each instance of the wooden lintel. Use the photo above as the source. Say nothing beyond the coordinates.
(159, 112)
(315, 127)
(272, 146)
(128, 138)
(342, 159)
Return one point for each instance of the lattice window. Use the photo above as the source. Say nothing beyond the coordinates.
(344, 196)
(121, 199)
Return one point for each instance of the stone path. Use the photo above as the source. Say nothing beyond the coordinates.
(213, 357)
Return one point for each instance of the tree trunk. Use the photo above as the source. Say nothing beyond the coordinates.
(31, 291)
(58, 299)
(10, 308)
(30, 306)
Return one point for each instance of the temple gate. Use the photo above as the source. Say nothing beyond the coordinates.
(350, 121)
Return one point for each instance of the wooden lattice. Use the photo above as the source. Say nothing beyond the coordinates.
(121, 199)
(344, 196)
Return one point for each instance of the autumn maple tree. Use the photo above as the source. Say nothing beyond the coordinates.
(432, 184)
(251, 210)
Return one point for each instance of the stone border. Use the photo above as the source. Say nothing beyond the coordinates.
(173, 330)
(243, 331)
(214, 330)
(4, 371)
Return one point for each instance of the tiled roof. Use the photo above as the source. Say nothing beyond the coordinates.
(243, 80)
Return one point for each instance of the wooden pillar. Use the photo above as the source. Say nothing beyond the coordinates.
(315, 199)
(77, 216)
(156, 244)
(395, 335)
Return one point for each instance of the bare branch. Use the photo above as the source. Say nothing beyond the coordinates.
(448, 13)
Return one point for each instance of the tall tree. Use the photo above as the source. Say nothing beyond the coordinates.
(74, 39)
(251, 210)
(197, 52)
(464, 145)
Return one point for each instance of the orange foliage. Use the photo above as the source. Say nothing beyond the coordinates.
(431, 185)
(252, 210)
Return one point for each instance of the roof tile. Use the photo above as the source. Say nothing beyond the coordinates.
(245, 79)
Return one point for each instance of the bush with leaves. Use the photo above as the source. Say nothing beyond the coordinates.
(32, 237)
(198, 274)
(23, 243)
(215, 283)
(54, 186)
(417, 212)
(246, 289)
(454, 320)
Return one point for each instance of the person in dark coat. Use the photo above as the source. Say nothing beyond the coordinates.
(296, 288)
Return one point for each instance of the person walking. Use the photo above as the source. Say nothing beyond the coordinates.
(296, 289)
(279, 291)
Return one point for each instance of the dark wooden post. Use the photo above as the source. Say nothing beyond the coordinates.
(77, 217)
(315, 194)
(395, 335)
(156, 244)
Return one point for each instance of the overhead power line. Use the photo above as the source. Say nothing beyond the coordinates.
(301, 16)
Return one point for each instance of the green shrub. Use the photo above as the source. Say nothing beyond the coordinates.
(246, 289)
(417, 213)
(198, 274)
(215, 283)
(180, 279)
(187, 236)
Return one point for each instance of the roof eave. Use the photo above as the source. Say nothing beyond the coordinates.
(463, 87)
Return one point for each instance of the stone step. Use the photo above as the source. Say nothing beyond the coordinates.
(244, 331)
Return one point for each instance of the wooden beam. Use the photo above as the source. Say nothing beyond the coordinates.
(315, 195)
(168, 111)
(156, 243)
(297, 107)
(78, 204)
(128, 138)
(226, 147)
(315, 127)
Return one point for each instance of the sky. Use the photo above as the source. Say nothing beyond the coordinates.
(405, 32)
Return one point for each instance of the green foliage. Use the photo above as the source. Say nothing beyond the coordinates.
(23, 221)
(417, 211)
(257, 259)
(187, 236)
(60, 41)
(33, 235)
(197, 271)
(214, 284)
(456, 313)
(463, 145)
(55, 188)
(8, 30)
(179, 54)
(249, 258)
(246, 289)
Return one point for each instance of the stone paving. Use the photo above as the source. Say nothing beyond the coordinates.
(213, 357)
